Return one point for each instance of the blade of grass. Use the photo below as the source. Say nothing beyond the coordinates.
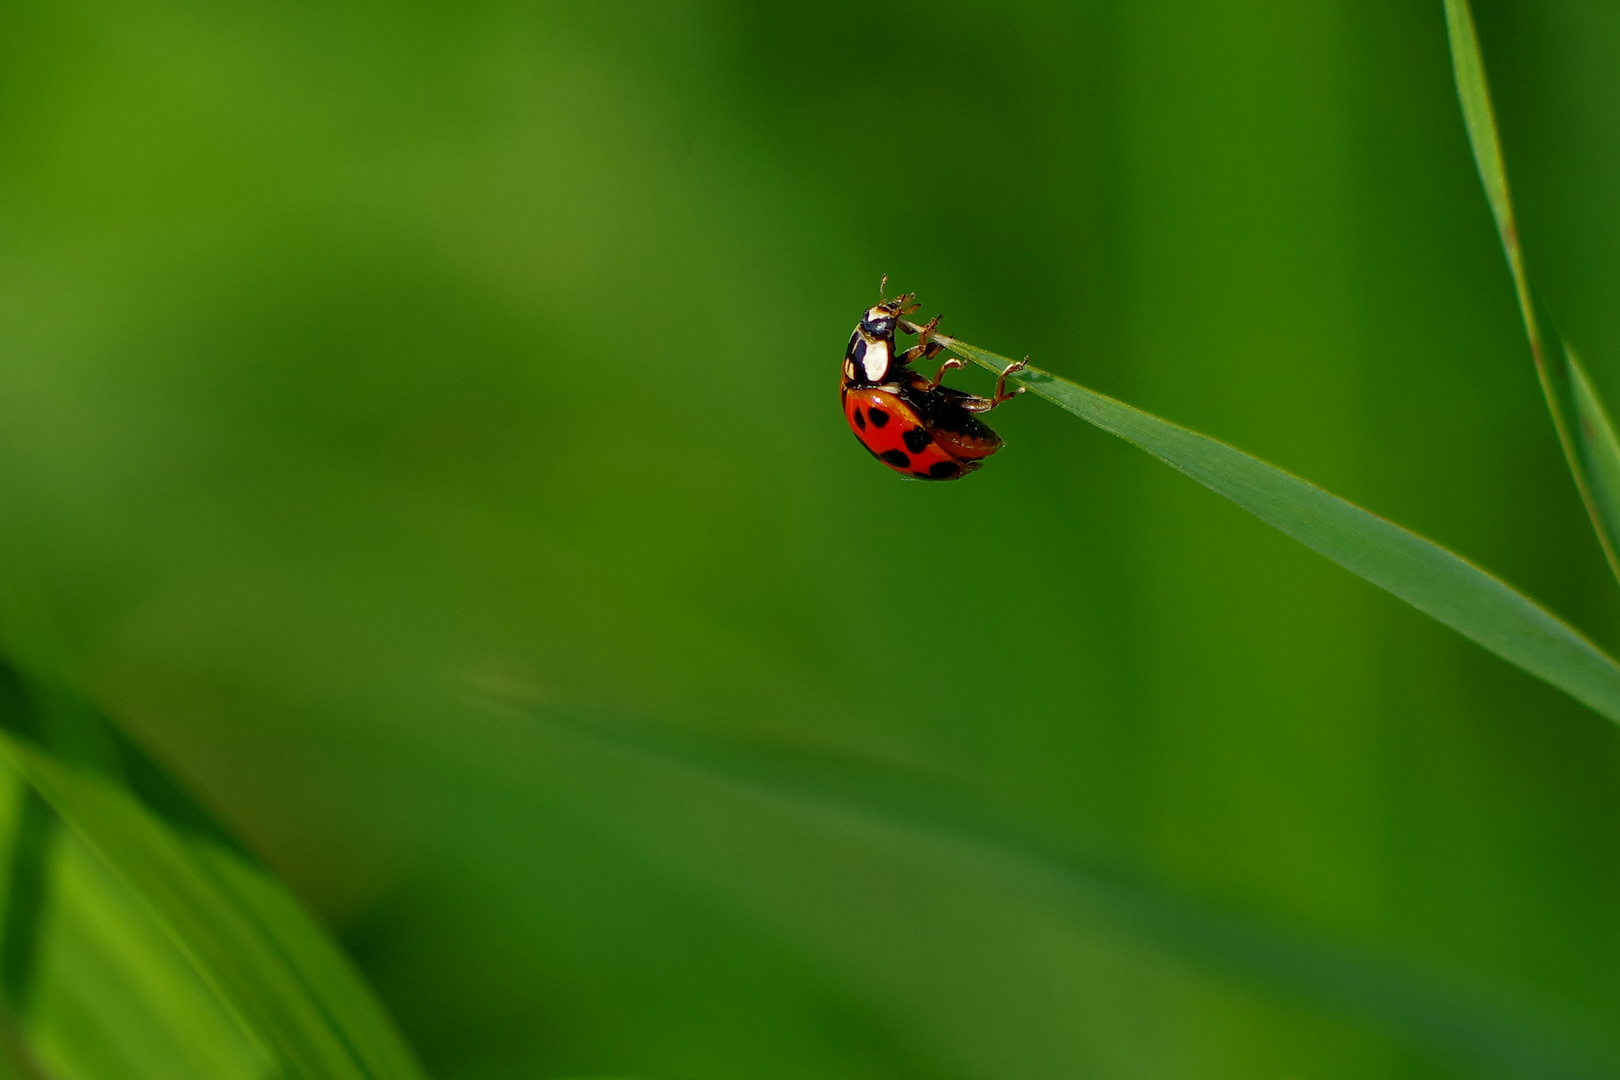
(25, 898)
(116, 998)
(1488, 1028)
(33, 834)
(290, 989)
(1589, 442)
(1435, 581)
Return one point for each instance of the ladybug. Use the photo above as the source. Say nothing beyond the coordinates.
(912, 424)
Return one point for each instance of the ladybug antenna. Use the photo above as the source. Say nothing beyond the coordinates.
(883, 287)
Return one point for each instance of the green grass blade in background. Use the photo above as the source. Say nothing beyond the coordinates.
(114, 996)
(25, 895)
(32, 842)
(1599, 447)
(289, 988)
(1449, 1019)
(1589, 441)
(1419, 571)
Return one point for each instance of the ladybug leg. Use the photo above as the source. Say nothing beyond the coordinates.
(926, 345)
(983, 405)
(953, 362)
(1001, 383)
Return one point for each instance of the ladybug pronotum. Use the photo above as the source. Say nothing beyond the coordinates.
(912, 424)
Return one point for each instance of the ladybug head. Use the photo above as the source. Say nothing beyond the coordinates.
(880, 321)
(871, 358)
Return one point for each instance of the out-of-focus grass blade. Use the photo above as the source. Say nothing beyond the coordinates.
(97, 987)
(114, 997)
(288, 987)
(1582, 424)
(1421, 572)
(1507, 1038)
(31, 826)
(1599, 448)
(25, 897)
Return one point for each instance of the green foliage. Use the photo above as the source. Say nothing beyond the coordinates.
(1421, 572)
(1583, 425)
(259, 992)
(417, 432)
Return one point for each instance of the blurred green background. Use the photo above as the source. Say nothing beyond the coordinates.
(418, 427)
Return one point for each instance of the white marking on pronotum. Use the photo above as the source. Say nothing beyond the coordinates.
(876, 360)
(849, 369)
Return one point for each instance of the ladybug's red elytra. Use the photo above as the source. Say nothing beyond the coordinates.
(912, 424)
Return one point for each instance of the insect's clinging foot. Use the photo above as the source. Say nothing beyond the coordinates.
(948, 365)
(925, 346)
(1001, 383)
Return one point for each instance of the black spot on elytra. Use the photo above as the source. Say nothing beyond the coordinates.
(944, 470)
(879, 417)
(916, 439)
(860, 419)
(897, 458)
